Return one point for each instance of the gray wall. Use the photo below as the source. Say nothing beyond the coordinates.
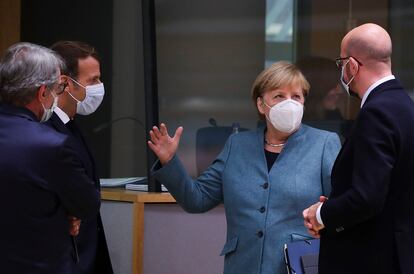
(209, 53)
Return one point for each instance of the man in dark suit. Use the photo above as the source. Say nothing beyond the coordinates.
(367, 224)
(83, 94)
(41, 177)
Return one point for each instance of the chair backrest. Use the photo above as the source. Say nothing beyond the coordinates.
(210, 142)
(301, 257)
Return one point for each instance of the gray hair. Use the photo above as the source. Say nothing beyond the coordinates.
(24, 68)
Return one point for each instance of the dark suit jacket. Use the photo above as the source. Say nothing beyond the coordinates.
(42, 181)
(369, 218)
(91, 242)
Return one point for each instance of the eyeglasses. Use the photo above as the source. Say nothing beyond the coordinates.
(340, 61)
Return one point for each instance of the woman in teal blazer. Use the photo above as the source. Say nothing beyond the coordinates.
(265, 178)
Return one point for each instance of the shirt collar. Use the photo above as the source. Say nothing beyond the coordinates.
(374, 85)
(62, 115)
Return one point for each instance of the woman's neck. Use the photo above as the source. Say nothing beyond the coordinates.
(274, 140)
(274, 136)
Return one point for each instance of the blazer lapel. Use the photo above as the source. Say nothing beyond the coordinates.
(59, 125)
(291, 144)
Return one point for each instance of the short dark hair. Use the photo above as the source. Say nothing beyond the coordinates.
(72, 52)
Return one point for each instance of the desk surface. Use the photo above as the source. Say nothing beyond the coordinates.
(120, 194)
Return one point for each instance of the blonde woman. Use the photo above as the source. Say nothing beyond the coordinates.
(264, 177)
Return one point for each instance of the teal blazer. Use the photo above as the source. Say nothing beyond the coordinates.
(263, 209)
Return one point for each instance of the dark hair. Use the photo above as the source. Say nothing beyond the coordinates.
(72, 52)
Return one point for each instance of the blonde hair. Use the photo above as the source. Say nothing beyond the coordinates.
(278, 75)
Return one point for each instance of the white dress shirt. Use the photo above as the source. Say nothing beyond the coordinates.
(62, 115)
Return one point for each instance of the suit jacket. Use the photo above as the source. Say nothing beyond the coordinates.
(369, 219)
(263, 208)
(91, 241)
(42, 182)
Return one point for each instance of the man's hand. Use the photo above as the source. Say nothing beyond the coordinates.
(74, 225)
(310, 220)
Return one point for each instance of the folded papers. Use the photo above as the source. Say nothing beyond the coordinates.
(120, 182)
(141, 187)
(130, 183)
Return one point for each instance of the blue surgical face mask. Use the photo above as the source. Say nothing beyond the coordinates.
(93, 98)
(47, 112)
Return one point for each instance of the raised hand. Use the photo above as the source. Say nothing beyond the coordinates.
(162, 144)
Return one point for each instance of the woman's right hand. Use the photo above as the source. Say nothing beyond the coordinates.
(162, 144)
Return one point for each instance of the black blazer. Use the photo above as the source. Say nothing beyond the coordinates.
(42, 182)
(369, 217)
(91, 241)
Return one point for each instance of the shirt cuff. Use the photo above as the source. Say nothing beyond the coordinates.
(318, 214)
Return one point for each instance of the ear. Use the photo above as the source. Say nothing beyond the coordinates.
(70, 85)
(260, 105)
(354, 66)
(42, 94)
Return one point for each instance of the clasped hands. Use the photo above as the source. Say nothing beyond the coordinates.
(310, 220)
(74, 225)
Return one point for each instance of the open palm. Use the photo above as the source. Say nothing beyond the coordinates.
(162, 144)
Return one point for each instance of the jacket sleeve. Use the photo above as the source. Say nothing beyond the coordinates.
(330, 152)
(74, 188)
(194, 196)
(374, 153)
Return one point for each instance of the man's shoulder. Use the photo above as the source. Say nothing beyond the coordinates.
(42, 133)
(389, 92)
(389, 100)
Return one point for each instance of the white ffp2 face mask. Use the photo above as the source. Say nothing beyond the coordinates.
(93, 98)
(286, 116)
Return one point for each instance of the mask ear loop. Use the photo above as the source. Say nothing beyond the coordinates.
(353, 76)
(73, 97)
(77, 82)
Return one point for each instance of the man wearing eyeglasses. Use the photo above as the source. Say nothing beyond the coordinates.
(42, 181)
(82, 95)
(367, 224)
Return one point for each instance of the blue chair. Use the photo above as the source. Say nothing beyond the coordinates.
(301, 257)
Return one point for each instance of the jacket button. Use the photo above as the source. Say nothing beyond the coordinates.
(259, 234)
(265, 185)
(262, 209)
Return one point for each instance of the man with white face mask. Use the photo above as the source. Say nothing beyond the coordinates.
(367, 224)
(41, 175)
(83, 94)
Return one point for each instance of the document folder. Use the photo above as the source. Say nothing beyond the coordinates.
(301, 257)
